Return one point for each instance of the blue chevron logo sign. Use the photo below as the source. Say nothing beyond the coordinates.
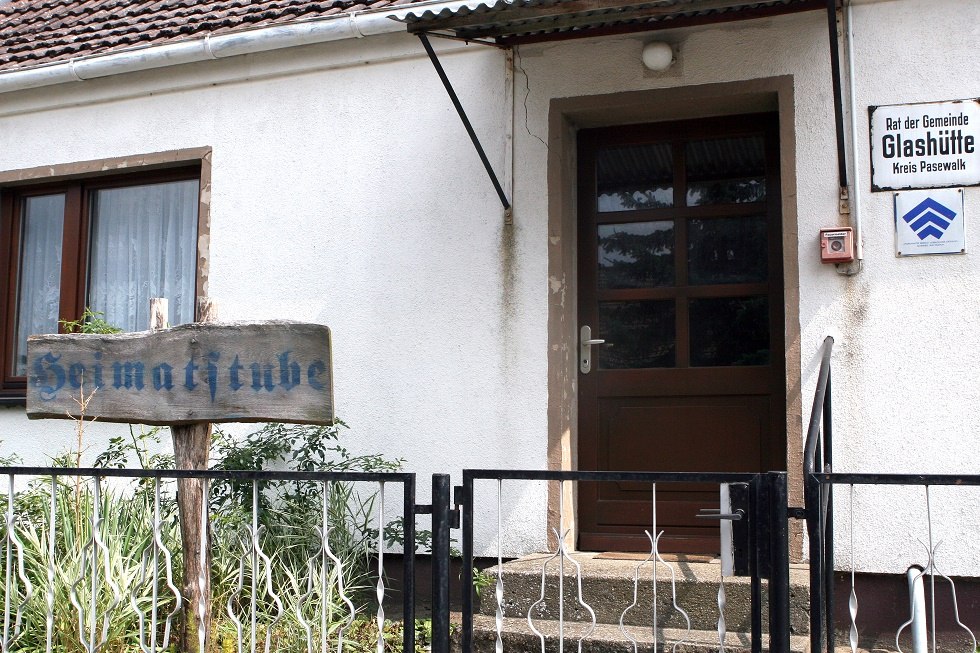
(930, 219)
(930, 222)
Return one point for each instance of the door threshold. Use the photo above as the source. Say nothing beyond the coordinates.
(668, 557)
(696, 558)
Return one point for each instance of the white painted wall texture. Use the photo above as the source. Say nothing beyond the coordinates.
(348, 194)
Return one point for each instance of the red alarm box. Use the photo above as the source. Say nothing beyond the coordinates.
(837, 245)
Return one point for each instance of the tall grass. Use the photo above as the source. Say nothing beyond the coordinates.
(107, 567)
(276, 581)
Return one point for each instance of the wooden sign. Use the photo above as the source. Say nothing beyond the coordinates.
(275, 371)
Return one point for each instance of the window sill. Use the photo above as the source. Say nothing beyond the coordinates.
(13, 402)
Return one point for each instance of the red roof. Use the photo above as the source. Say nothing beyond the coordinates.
(34, 32)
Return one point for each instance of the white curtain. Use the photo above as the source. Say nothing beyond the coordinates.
(39, 291)
(143, 245)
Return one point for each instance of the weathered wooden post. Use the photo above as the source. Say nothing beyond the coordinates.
(192, 447)
(187, 377)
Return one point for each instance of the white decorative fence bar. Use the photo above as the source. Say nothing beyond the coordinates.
(561, 600)
(294, 561)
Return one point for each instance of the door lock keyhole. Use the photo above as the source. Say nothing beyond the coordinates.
(585, 349)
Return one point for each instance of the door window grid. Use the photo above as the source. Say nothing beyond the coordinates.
(708, 248)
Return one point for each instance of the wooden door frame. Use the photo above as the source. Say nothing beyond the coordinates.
(566, 117)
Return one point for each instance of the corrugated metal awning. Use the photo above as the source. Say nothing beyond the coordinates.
(523, 21)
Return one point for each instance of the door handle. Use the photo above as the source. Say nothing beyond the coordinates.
(585, 349)
(715, 513)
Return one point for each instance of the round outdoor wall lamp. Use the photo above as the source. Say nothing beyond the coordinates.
(658, 56)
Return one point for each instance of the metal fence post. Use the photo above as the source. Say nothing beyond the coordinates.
(466, 500)
(827, 514)
(758, 547)
(408, 562)
(779, 552)
(440, 563)
(815, 535)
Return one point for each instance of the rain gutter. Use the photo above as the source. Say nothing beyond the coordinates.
(344, 26)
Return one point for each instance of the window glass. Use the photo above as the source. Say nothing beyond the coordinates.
(636, 255)
(730, 331)
(635, 177)
(39, 288)
(727, 250)
(637, 334)
(726, 171)
(143, 244)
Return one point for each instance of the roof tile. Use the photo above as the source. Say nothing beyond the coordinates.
(35, 32)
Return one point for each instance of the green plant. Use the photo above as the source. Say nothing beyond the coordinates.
(10, 460)
(288, 512)
(89, 322)
(288, 539)
(363, 636)
(142, 444)
(482, 580)
(124, 534)
(287, 509)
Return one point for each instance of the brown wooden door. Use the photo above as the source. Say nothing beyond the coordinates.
(680, 272)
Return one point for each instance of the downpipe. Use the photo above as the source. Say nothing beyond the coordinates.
(848, 166)
(917, 605)
(855, 194)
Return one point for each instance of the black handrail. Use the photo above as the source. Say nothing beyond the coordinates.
(821, 409)
(819, 507)
(210, 474)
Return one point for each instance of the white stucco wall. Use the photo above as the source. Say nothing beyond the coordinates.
(348, 194)
(905, 375)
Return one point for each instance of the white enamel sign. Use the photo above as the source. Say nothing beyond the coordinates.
(931, 145)
(929, 222)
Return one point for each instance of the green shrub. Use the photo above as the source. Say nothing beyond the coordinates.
(89, 322)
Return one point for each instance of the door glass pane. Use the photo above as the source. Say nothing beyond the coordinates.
(635, 177)
(143, 245)
(727, 250)
(729, 331)
(39, 281)
(726, 171)
(638, 334)
(636, 255)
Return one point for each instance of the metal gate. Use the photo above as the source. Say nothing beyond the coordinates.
(754, 544)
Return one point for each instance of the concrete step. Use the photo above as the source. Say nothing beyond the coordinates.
(606, 638)
(608, 588)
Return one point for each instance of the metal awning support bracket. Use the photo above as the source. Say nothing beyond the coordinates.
(466, 121)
